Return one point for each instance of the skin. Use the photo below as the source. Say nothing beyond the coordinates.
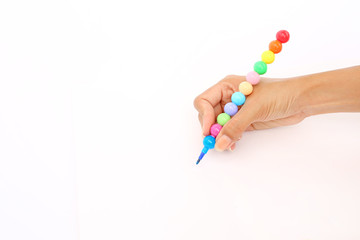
(278, 102)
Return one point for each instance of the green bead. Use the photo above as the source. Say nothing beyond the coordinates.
(222, 118)
(260, 67)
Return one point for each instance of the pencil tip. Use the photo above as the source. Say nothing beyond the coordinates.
(200, 157)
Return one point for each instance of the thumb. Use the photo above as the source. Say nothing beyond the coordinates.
(233, 129)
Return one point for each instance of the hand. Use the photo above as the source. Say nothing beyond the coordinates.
(273, 103)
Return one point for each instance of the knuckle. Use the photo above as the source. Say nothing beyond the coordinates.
(196, 101)
(230, 76)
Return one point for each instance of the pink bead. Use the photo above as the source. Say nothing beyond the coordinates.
(253, 77)
(215, 129)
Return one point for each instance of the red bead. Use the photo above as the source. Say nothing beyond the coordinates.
(275, 46)
(283, 36)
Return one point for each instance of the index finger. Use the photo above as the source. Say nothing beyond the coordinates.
(209, 102)
(207, 114)
(205, 103)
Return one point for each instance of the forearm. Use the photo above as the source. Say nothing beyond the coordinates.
(329, 92)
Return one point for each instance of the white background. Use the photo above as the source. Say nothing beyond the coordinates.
(99, 138)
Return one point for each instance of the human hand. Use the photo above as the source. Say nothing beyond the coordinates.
(273, 103)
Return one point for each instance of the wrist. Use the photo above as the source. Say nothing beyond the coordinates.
(308, 89)
(329, 92)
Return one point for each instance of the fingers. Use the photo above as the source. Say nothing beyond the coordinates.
(233, 129)
(206, 114)
(209, 103)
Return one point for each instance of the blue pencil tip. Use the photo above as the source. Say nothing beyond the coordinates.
(200, 157)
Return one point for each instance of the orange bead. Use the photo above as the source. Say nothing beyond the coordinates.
(275, 46)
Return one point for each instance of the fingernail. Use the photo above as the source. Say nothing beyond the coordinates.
(232, 147)
(223, 143)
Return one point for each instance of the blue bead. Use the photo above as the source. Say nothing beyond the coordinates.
(209, 142)
(238, 98)
(231, 108)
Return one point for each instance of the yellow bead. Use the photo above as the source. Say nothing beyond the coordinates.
(268, 57)
(245, 88)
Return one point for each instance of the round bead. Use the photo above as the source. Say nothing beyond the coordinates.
(231, 108)
(245, 88)
(253, 77)
(260, 67)
(275, 46)
(238, 98)
(268, 57)
(209, 142)
(283, 36)
(223, 118)
(215, 129)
